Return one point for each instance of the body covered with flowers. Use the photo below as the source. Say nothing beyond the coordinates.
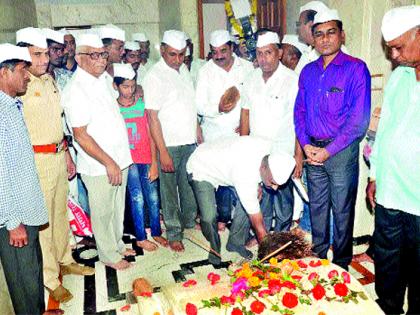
(306, 286)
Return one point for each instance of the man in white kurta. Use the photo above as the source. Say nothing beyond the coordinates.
(145, 61)
(241, 163)
(169, 98)
(267, 112)
(102, 146)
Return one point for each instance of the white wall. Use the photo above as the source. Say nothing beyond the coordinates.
(214, 18)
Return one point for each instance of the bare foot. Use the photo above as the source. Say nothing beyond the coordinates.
(251, 243)
(121, 265)
(129, 252)
(147, 245)
(221, 226)
(176, 246)
(161, 240)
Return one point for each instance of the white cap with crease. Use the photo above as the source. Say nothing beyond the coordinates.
(175, 39)
(132, 46)
(89, 39)
(12, 52)
(219, 38)
(397, 21)
(326, 16)
(56, 36)
(139, 37)
(112, 31)
(32, 36)
(316, 6)
(124, 70)
(267, 38)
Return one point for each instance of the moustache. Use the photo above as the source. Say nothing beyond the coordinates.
(220, 59)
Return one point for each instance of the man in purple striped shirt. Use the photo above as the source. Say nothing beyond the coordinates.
(332, 112)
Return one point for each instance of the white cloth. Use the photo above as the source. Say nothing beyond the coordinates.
(317, 6)
(87, 102)
(124, 70)
(234, 161)
(143, 69)
(10, 52)
(326, 16)
(219, 38)
(32, 36)
(110, 85)
(53, 35)
(212, 83)
(196, 65)
(267, 39)
(171, 93)
(175, 39)
(89, 39)
(270, 106)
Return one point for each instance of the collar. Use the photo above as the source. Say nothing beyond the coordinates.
(44, 77)
(86, 76)
(338, 60)
(280, 69)
(11, 100)
(165, 67)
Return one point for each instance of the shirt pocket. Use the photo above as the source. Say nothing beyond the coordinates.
(334, 102)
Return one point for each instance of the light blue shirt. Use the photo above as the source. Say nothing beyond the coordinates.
(21, 198)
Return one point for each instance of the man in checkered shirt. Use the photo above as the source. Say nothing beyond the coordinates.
(22, 206)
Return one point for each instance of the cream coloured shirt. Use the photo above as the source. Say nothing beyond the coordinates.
(87, 101)
(270, 106)
(171, 94)
(232, 161)
(212, 83)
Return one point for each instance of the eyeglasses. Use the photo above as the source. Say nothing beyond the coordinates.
(96, 55)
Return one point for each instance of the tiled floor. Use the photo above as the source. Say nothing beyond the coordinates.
(105, 292)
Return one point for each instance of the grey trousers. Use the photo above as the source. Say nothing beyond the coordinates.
(238, 232)
(23, 272)
(179, 207)
(107, 204)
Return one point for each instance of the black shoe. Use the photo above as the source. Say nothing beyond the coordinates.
(241, 250)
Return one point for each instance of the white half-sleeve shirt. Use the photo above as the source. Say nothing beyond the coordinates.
(232, 161)
(212, 83)
(271, 105)
(87, 101)
(171, 94)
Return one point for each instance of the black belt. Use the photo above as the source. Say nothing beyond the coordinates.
(321, 143)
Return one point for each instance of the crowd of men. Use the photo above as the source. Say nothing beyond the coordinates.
(230, 139)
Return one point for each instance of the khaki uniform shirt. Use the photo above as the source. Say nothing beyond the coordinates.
(42, 111)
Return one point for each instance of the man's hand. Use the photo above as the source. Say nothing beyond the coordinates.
(71, 167)
(153, 172)
(114, 173)
(18, 236)
(310, 152)
(371, 193)
(321, 156)
(297, 173)
(166, 163)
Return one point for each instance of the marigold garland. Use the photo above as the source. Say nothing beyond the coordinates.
(236, 25)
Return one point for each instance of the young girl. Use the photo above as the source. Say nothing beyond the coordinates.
(142, 175)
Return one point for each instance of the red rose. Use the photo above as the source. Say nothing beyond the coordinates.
(274, 286)
(189, 283)
(346, 277)
(313, 276)
(341, 289)
(289, 285)
(191, 309)
(301, 264)
(227, 300)
(289, 300)
(236, 311)
(318, 292)
(315, 263)
(213, 278)
(257, 307)
(332, 274)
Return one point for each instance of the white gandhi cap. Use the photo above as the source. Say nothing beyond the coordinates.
(317, 6)
(124, 70)
(294, 41)
(267, 38)
(53, 35)
(112, 31)
(89, 39)
(281, 166)
(32, 36)
(11, 52)
(175, 39)
(326, 16)
(132, 46)
(139, 37)
(400, 20)
(219, 38)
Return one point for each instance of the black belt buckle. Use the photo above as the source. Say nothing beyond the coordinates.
(321, 143)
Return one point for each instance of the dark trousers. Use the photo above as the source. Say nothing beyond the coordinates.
(396, 243)
(23, 272)
(225, 200)
(278, 205)
(333, 186)
(179, 207)
(238, 232)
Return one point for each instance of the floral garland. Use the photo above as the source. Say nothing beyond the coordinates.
(278, 287)
(236, 25)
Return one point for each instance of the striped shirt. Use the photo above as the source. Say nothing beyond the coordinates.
(21, 198)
